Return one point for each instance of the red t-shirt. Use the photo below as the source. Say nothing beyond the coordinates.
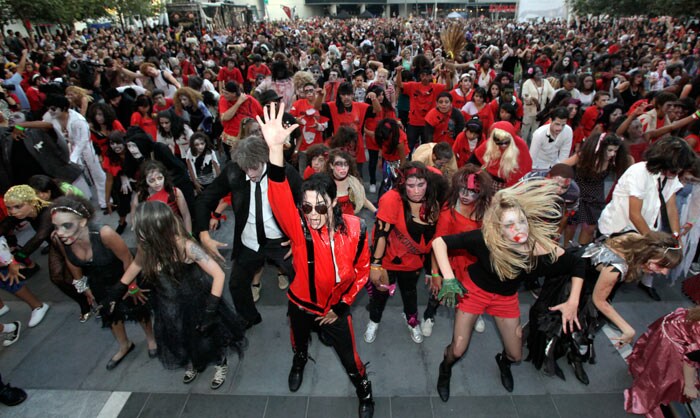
(309, 171)
(459, 99)
(146, 123)
(355, 118)
(254, 70)
(395, 156)
(250, 108)
(226, 75)
(402, 252)
(452, 222)
(311, 123)
(697, 142)
(158, 108)
(462, 150)
(111, 167)
(588, 120)
(441, 126)
(421, 98)
(103, 141)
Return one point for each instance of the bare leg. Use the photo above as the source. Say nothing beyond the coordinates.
(28, 297)
(119, 333)
(587, 232)
(569, 233)
(148, 330)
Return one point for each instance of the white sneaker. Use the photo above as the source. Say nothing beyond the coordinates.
(427, 327)
(5, 309)
(38, 315)
(371, 331)
(12, 337)
(372, 188)
(256, 292)
(416, 334)
(282, 281)
(480, 325)
(694, 269)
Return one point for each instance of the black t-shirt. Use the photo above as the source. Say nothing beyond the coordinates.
(482, 274)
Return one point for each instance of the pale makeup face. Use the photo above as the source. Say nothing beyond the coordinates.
(635, 129)
(155, 180)
(134, 150)
(68, 226)
(381, 77)
(185, 101)
(340, 168)
(164, 124)
(466, 84)
(416, 188)
(199, 146)
(317, 163)
(514, 226)
(653, 266)
(255, 174)
(615, 115)
(611, 151)
(467, 197)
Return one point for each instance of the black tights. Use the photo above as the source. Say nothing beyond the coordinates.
(373, 160)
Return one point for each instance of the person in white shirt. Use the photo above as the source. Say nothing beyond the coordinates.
(636, 204)
(551, 144)
(536, 93)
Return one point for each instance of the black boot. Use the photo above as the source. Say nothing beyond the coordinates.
(296, 375)
(577, 364)
(11, 396)
(443, 383)
(506, 375)
(363, 388)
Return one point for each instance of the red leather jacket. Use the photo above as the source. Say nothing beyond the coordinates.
(328, 276)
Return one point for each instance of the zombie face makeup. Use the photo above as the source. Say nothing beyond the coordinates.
(255, 174)
(68, 226)
(611, 151)
(155, 180)
(199, 146)
(514, 227)
(655, 266)
(416, 188)
(185, 101)
(317, 209)
(117, 147)
(317, 163)
(164, 124)
(134, 150)
(467, 197)
(340, 168)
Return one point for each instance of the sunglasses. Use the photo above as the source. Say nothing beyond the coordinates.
(321, 208)
(502, 143)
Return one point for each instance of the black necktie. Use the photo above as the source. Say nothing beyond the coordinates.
(665, 224)
(259, 226)
(550, 139)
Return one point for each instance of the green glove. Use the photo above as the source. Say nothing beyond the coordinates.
(451, 288)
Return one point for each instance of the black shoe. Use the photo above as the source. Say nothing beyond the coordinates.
(111, 364)
(443, 383)
(254, 321)
(28, 272)
(559, 372)
(363, 388)
(578, 369)
(121, 228)
(11, 396)
(650, 291)
(296, 375)
(506, 375)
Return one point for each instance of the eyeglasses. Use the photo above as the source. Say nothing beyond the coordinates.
(321, 208)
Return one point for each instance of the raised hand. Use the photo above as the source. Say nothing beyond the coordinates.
(272, 128)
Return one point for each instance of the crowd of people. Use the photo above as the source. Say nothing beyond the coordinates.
(563, 151)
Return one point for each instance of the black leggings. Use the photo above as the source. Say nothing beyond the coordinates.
(407, 282)
(122, 200)
(373, 160)
(339, 333)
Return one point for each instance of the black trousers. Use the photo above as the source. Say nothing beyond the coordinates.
(373, 160)
(414, 135)
(246, 263)
(340, 333)
(407, 282)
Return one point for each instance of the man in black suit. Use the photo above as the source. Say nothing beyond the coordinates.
(257, 237)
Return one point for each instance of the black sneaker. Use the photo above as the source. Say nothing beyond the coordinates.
(121, 228)
(650, 291)
(28, 272)
(12, 396)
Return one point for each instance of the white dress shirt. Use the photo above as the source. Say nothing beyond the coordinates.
(249, 237)
(546, 150)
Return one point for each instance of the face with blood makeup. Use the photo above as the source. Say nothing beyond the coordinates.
(514, 226)
(68, 226)
(341, 168)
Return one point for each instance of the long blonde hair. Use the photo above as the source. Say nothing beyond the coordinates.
(80, 92)
(508, 159)
(537, 200)
(638, 249)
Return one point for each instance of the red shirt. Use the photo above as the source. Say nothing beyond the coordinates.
(308, 172)
(697, 142)
(355, 118)
(441, 124)
(421, 98)
(111, 167)
(588, 120)
(452, 222)
(459, 99)
(400, 245)
(254, 70)
(462, 150)
(35, 98)
(250, 108)
(495, 111)
(146, 123)
(311, 123)
(395, 156)
(102, 141)
(226, 75)
(168, 104)
(371, 125)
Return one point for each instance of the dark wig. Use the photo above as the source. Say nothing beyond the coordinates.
(339, 153)
(387, 131)
(669, 154)
(107, 111)
(345, 137)
(142, 186)
(45, 184)
(324, 185)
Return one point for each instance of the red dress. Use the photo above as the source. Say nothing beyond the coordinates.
(656, 363)
(163, 196)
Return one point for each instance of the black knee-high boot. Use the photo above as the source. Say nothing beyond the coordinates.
(363, 388)
(445, 373)
(296, 374)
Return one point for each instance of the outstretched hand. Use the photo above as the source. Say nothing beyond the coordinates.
(273, 130)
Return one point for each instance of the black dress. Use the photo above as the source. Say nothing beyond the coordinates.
(179, 306)
(103, 271)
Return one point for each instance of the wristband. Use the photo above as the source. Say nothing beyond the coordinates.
(676, 235)
(436, 275)
(377, 268)
(133, 288)
(696, 115)
(13, 261)
(20, 128)
(216, 215)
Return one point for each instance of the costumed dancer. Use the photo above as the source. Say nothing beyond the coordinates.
(331, 259)
(193, 326)
(96, 256)
(514, 242)
(405, 226)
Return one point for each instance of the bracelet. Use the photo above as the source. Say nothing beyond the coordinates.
(436, 275)
(20, 128)
(13, 261)
(134, 290)
(696, 115)
(376, 268)
(216, 215)
(81, 284)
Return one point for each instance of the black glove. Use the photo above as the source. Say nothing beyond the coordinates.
(209, 319)
(114, 296)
